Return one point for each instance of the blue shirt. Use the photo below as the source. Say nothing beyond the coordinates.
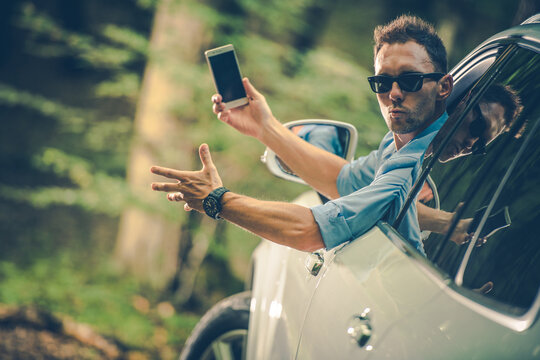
(374, 188)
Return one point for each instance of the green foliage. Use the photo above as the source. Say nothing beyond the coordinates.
(96, 296)
(95, 53)
(147, 4)
(70, 119)
(127, 38)
(277, 18)
(121, 85)
(90, 148)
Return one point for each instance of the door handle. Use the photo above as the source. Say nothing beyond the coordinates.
(314, 263)
(359, 328)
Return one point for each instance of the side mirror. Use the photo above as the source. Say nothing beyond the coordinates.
(336, 137)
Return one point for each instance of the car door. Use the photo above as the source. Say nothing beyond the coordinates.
(381, 299)
(282, 286)
(372, 282)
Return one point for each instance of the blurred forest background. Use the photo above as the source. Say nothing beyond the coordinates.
(94, 92)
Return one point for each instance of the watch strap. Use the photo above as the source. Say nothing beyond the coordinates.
(218, 193)
(212, 203)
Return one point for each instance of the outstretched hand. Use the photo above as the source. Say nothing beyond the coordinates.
(190, 186)
(249, 119)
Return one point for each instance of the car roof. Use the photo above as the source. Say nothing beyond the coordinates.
(527, 34)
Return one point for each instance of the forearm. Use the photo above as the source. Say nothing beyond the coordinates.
(319, 168)
(433, 220)
(283, 223)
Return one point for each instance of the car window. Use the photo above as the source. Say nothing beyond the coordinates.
(509, 260)
(480, 232)
(464, 78)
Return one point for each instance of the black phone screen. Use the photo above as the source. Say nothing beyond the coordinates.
(227, 76)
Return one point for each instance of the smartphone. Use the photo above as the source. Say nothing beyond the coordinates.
(226, 74)
(496, 221)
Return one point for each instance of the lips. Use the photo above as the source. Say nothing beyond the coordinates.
(397, 112)
(400, 111)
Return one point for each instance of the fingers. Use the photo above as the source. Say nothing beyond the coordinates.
(484, 289)
(216, 98)
(177, 196)
(481, 241)
(169, 173)
(251, 92)
(204, 154)
(168, 187)
(218, 107)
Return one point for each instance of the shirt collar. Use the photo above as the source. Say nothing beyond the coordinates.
(434, 127)
(422, 140)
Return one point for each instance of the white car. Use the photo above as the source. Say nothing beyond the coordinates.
(475, 295)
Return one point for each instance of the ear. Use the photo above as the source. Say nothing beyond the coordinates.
(446, 84)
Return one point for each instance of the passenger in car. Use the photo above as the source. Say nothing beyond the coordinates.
(411, 84)
(493, 115)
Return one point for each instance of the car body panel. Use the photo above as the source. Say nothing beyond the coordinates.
(368, 273)
(415, 313)
(276, 317)
(445, 328)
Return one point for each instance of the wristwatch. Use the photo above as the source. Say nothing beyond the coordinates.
(212, 203)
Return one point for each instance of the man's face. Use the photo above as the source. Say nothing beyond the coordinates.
(482, 124)
(406, 112)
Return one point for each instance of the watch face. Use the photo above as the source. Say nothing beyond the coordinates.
(211, 206)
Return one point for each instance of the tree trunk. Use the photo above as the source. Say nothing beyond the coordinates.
(147, 244)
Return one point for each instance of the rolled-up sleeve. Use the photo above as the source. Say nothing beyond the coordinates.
(374, 188)
(348, 217)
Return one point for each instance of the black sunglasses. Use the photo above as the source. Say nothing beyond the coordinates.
(410, 82)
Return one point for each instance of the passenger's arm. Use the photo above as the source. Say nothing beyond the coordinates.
(432, 219)
(438, 221)
(317, 167)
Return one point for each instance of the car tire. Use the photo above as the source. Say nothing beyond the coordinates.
(222, 331)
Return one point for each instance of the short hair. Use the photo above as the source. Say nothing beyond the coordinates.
(406, 28)
(509, 100)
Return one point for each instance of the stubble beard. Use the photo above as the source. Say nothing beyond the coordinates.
(415, 121)
(411, 125)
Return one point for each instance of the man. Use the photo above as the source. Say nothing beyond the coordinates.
(411, 85)
(494, 114)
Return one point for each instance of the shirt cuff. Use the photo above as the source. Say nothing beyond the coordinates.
(332, 225)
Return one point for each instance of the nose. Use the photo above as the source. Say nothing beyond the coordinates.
(395, 93)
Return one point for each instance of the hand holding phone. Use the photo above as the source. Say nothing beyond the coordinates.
(226, 74)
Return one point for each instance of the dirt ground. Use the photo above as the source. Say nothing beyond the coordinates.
(28, 333)
(21, 342)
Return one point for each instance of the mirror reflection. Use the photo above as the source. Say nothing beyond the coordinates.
(331, 138)
(491, 116)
